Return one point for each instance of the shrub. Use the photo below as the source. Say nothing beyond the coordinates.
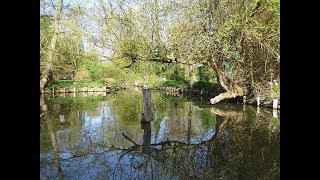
(171, 83)
(205, 86)
(82, 75)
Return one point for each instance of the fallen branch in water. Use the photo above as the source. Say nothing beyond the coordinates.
(41, 115)
(125, 136)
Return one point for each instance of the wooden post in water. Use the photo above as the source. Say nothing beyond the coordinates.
(145, 121)
(275, 104)
(62, 120)
(244, 102)
(74, 92)
(85, 90)
(189, 123)
(147, 104)
(275, 113)
(146, 137)
(258, 110)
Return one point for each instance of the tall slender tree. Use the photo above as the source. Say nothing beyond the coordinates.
(50, 54)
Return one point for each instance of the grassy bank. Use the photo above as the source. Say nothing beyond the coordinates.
(79, 84)
(181, 84)
(115, 75)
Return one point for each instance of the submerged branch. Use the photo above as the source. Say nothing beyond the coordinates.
(229, 113)
(125, 136)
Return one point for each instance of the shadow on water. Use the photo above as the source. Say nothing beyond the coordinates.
(105, 137)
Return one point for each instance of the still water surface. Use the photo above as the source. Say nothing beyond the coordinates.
(101, 137)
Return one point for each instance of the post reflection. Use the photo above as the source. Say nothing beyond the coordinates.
(146, 137)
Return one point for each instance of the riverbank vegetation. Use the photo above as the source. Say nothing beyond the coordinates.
(230, 47)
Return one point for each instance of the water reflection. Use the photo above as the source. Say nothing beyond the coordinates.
(146, 137)
(102, 137)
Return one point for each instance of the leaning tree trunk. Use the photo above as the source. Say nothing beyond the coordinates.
(233, 89)
(50, 54)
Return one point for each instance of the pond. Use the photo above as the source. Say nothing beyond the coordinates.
(101, 137)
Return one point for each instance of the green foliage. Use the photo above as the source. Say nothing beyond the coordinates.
(82, 75)
(45, 36)
(205, 86)
(74, 103)
(68, 52)
(172, 83)
(45, 32)
(128, 109)
(207, 119)
(175, 73)
(206, 73)
(60, 84)
(132, 47)
(274, 124)
(244, 40)
(276, 88)
(91, 64)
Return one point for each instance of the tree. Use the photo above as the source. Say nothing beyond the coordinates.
(246, 47)
(50, 54)
(69, 53)
(238, 39)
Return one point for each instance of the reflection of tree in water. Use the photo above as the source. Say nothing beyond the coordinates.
(248, 148)
(242, 147)
(238, 150)
(54, 144)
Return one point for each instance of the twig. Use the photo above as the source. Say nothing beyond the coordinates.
(125, 136)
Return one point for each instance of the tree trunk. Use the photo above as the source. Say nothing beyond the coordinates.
(219, 70)
(232, 89)
(50, 54)
(157, 26)
(223, 96)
